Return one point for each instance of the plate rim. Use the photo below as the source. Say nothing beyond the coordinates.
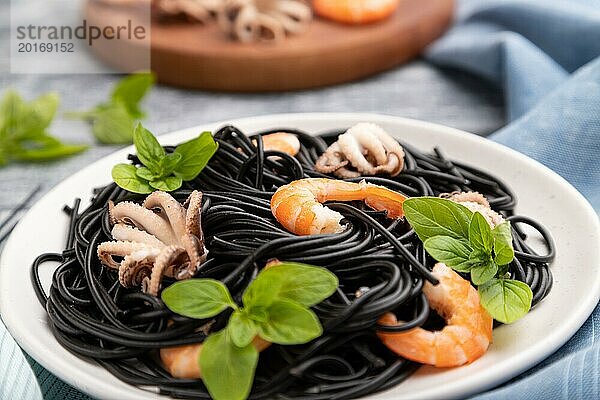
(486, 379)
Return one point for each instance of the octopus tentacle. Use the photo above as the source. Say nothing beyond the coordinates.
(395, 159)
(333, 160)
(132, 234)
(142, 218)
(169, 257)
(367, 136)
(249, 20)
(107, 250)
(137, 266)
(170, 209)
(197, 254)
(193, 215)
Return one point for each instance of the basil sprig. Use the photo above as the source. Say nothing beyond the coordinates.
(162, 171)
(113, 121)
(24, 130)
(464, 241)
(275, 308)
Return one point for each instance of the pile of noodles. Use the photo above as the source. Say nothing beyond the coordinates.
(93, 316)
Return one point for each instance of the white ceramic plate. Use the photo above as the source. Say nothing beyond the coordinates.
(542, 195)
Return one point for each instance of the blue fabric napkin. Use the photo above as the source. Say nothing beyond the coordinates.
(546, 57)
(17, 380)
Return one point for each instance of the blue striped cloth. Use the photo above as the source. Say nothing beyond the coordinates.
(17, 380)
(546, 57)
(544, 54)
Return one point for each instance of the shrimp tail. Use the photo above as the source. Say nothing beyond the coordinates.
(382, 199)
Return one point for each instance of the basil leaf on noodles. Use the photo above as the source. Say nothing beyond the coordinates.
(451, 251)
(194, 155)
(198, 298)
(275, 309)
(506, 300)
(227, 370)
(125, 175)
(433, 216)
(480, 233)
(149, 151)
(503, 248)
(162, 171)
(167, 184)
(304, 284)
(482, 273)
(289, 323)
(241, 328)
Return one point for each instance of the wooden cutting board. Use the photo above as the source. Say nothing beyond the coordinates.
(201, 57)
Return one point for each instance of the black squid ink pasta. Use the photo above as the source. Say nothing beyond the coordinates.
(381, 266)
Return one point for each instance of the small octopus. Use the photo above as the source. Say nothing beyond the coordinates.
(160, 237)
(194, 10)
(367, 148)
(267, 20)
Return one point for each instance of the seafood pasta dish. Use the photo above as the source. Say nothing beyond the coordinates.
(290, 264)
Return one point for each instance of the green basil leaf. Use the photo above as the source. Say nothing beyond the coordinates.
(167, 184)
(131, 90)
(503, 247)
(198, 298)
(195, 154)
(482, 273)
(149, 151)
(241, 329)
(168, 163)
(480, 233)
(227, 370)
(47, 153)
(125, 176)
(12, 109)
(257, 313)
(290, 323)
(26, 121)
(302, 283)
(506, 300)
(432, 216)
(145, 174)
(37, 115)
(112, 124)
(451, 251)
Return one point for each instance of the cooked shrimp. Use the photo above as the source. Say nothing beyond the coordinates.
(355, 11)
(182, 361)
(283, 142)
(298, 205)
(466, 336)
